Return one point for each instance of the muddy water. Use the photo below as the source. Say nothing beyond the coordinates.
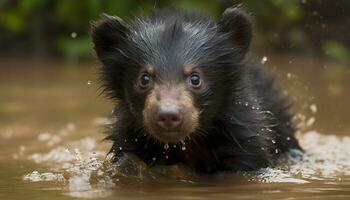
(51, 143)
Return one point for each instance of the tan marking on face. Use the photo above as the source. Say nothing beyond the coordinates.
(151, 100)
(149, 68)
(188, 104)
(188, 69)
(164, 96)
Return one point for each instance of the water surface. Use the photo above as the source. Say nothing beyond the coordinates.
(51, 140)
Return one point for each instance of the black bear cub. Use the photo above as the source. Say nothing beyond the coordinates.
(187, 91)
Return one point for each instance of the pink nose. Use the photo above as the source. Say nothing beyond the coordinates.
(169, 117)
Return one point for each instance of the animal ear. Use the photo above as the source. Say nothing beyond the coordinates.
(237, 23)
(108, 34)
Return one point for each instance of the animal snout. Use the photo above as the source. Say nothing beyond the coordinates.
(169, 117)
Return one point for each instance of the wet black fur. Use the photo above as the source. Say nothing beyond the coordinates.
(244, 122)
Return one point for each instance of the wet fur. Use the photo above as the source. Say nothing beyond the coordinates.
(244, 122)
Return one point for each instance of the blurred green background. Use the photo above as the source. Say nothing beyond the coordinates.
(60, 28)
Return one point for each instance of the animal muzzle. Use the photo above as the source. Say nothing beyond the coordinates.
(169, 117)
(169, 114)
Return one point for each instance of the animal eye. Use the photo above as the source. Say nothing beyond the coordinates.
(144, 81)
(195, 80)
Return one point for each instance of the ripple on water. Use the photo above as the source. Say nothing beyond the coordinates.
(87, 172)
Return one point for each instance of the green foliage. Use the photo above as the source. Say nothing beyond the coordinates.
(74, 48)
(336, 50)
(209, 6)
(27, 6)
(60, 18)
(12, 20)
(278, 22)
(15, 17)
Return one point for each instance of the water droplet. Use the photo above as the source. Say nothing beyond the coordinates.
(125, 141)
(262, 148)
(146, 146)
(264, 60)
(136, 140)
(310, 121)
(288, 138)
(246, 104)
(166, 157)
(273, 141)
(183, 148)
(73, 34)
(89, 82)
(154, 158)
(174, 145)
(276, 151)
(313, 108)
(166, 146)
(120, 148)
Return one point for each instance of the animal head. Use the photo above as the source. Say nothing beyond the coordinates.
(173, 70)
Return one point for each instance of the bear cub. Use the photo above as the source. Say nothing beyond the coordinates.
(187, 91)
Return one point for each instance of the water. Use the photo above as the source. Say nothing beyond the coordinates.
(51, 146)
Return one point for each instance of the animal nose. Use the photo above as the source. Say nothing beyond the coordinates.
(169, 117)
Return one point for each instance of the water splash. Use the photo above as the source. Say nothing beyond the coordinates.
(77, 165)
(326, 157)
(35, 176)
(87, 173)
